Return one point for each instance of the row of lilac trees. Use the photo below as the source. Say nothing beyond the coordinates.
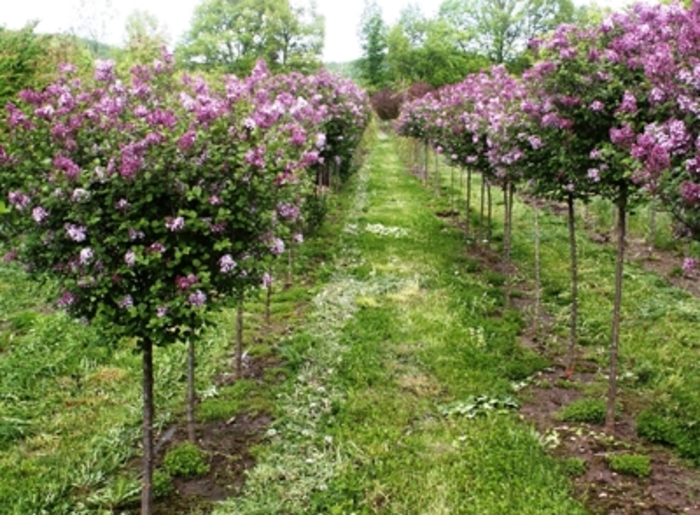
(156, 198)
(608, 111)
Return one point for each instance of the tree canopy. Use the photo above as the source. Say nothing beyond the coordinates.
(231, 35)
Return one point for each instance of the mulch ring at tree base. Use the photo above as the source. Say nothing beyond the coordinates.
(671, 488)
(227, 444)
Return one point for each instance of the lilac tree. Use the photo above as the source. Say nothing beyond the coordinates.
(150, 200)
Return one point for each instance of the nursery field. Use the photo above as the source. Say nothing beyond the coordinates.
(393, 376)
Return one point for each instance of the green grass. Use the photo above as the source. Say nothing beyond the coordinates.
(402, 337)
(658, 375)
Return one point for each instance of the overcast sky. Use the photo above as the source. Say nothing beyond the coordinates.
(342, 18)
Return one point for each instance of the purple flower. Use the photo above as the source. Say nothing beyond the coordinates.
(689, 264)
(175, 224)
(298, 237)
(320, 140)
(86, 255)
(535, 142)
(214, 200)
(267, 280)
(288, 211)
(185, 283)
(276, 246)
(131, 162)
(18, 199)
(39, 214)
(157, 247)
(122, 205)
(126, 302)
(130, 258)
(298, 137)
(76, 232)
(69, 168)
(197, 299)
(10, 256)
(596, 106)
(227, 264)
(135, 235)
(80, 194)
(104, 70)
(66, 299)
(161, 311)
(187, 140)
(629, 103)
(594, 174)
(256, 157)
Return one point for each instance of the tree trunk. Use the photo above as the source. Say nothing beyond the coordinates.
(508, 240)
(482, 209)
(438, 178)
(147, 480)
(268, 296)
(425, 164)
(191, 396)
(468, 214)
(239, 340)
(452, 191)
(538, 280)
(615, 343)
(652, 227)
(574, 286)
(489, 215)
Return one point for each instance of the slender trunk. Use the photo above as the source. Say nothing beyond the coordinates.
(452, 190)
(482, 209)
(538, 280)
(574, 285)
(652, 226)
(438, 178)
(615, 343)
(468, 214)
(426, 164)
(268, 297)
(239, 340)
(191, 393)
(489, 215)
(507, 199)
(147, 480)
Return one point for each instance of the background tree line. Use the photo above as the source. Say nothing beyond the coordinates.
(462, 38)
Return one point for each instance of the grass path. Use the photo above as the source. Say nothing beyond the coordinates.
(402, 401)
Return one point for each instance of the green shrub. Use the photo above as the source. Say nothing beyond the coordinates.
(630, 464)
(186, 460)
(656, 428)
(574, 467)
(591, 411)
(163, 484)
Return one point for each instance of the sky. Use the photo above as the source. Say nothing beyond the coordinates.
(342, 18)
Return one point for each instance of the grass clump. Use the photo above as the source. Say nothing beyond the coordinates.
(574, 467)
(636, 465)
(186, 460)
(590, 411)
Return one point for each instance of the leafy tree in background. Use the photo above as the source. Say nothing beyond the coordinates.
(421, 50)
(231, 35)
(500, 29)
(20, 52)
(145, 38)
(373, 40)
